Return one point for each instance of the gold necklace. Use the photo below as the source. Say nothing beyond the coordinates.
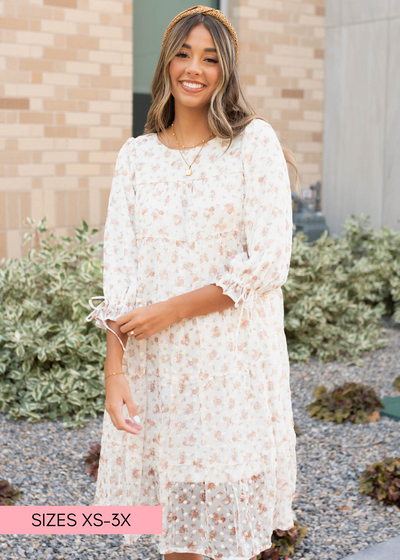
(194, 145)
(189, 167)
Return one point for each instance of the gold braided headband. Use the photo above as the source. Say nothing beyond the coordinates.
(217, 14)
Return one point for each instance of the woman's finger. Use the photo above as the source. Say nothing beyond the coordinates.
(139, 336)
(134, 331)
(133, 411)
(122, 423)
(125, 318)
(117, 394)
(124, 327)
(129, 327)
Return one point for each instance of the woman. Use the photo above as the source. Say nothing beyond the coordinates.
(197, 246)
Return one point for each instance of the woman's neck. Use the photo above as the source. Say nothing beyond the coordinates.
(190, 125)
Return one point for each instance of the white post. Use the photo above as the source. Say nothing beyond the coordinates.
(224, 5)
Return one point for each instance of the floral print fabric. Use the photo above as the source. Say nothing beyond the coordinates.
(217, 449)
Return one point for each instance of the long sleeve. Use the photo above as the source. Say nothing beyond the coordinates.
(120, 245)
(267, 220)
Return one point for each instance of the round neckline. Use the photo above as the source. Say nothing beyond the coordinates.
(186, 149)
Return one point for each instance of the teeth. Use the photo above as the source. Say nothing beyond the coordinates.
(192, 86)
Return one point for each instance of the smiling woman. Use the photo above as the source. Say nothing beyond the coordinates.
(151, 18)
(197, 246)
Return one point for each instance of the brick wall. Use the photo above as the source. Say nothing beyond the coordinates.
(65, 111)
(282, 69)
(66, 99)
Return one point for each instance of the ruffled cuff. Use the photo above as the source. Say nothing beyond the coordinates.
(238, 292)
(105, 311)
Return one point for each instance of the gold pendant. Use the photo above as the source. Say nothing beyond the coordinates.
(188, 171)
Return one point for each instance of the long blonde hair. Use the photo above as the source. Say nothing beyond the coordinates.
(229, 113)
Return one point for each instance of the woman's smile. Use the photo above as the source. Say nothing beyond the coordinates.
(191, 86)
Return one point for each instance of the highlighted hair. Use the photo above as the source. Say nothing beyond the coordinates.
(229, 113)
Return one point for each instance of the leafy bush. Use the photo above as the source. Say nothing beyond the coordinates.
(8, 494)
(337, 291)
(51, 359)
(92, 460)
(396, 383)
(284, 542)
(382, 481)
(350, 402)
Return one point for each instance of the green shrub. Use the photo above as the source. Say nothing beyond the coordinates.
(382, 481)
(396, 383)
(350, 402)
(284, 542)
(337, 291)
(51, 359)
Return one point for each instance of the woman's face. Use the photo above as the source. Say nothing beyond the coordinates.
(194, 70)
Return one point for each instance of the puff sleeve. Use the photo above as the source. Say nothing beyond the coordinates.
(267, 219)
(120, 245)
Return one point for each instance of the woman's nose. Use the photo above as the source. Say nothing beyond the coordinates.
(193, 67)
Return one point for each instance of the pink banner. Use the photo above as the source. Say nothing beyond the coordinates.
(80, 520)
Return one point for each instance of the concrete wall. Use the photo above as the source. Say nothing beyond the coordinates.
(65, 111)
(361, 162)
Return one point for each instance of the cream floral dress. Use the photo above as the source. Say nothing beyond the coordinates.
(217, 449)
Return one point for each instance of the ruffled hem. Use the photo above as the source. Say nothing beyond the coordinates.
(228, 512)
(132, 540)
(202, 550)
(232, 522)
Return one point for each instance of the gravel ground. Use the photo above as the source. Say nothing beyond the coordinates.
(46, 463)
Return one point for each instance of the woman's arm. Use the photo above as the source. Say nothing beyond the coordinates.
(264, 266)
(115, 352)
(119, 285)
(200, 302)
(152, 319)
(117, 388)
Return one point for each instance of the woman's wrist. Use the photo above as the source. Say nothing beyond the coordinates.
(112, 366)
(111, 370)
(170, 309)
(114, 354)
(175, 310)
(113, 374)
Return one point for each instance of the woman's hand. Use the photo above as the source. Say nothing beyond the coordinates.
(148, 320)
(118, 393)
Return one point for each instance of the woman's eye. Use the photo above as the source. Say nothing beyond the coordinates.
(185, 55)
